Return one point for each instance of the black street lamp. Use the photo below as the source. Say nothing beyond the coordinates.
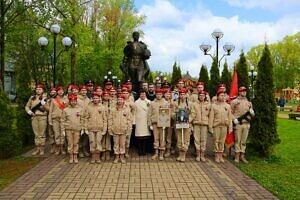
(252, 75)
(66, 42)
(228, 48)
(113, 78)
(160, 79)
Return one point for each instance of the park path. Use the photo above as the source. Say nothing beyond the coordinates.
(139, 178)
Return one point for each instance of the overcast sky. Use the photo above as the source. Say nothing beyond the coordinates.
(174, 29)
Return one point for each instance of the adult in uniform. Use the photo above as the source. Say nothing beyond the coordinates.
(183, 103)
(37, 108)
(219, 124)
(170, 134)
(153, 115)
(200, 113)
(72, 125)
(119, 125)
(51, 136)
(90, 88)
(95, 120)
(129, 103)
(240, 106)
(57, 105)
(106, 139)
(142, 132)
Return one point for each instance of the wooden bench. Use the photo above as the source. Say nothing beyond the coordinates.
(294, 116)
(286, 108)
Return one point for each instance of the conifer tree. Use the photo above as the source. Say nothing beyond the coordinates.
(176, 74)
(242, 71)
(226, 77)
(214, 78)
(203, 75)
(263, 131)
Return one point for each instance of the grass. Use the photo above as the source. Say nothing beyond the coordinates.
(11, 169)
(280, 173)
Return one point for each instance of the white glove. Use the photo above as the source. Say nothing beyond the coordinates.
(81, 132)
(63, 133)
(151, 128)
(236, 121)
(43, 102)
(251, 111)
(30, 112)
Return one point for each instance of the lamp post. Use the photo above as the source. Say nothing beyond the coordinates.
(252, 75)
(66, 42)
(160, 79)
(228, 48)
(113, 78)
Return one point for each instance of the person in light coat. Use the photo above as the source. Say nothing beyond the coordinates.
(142, 132)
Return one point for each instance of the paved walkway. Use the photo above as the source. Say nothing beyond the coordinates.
(139, 178)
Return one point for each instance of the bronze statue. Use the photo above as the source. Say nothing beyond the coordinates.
(134, 65)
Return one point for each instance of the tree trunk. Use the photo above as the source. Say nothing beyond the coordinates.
(2, 45)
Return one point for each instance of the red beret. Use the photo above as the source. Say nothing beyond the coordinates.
(242, 89)
(202, 92)
(59, 88)
(112, 89)
(121, 96)
(200, 83)
(159, 91)
(220, 91)
(222, 85)
(74, 87)
(98, 87)
(167, 90)
(83, 87)
(105, 92)
(96, 94)
(40, 86)
(124, 89)
(53, 89)
(181, 81)
(182, 91)
(108, 83)
(72, 97)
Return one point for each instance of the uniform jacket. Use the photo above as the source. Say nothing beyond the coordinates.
(34, 100)
(240, 106)
(72, 118)
(153, 113)
(83, 101)
(55, 111)
(220, 115)
(200, 112)
(95, 118)
(120, 121)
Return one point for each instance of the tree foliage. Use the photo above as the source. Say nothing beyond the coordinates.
(226, 77)
(214, 78)
(203, 75)
(242, 71)
(263, 133)
(285, 55)
(176, 74)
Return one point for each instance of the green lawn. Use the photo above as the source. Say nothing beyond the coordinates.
(280, 173)
(11, 169)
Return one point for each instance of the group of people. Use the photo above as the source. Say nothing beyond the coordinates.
(89, 119)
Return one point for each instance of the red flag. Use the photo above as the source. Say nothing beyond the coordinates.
(234, 86)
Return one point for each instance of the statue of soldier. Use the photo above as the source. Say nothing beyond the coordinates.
(134, 65)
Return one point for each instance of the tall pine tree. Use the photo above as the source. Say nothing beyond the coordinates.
(176, 74)
(226, 77)
(203, 75)
(214, 78)
(242, 71)
(263, 130)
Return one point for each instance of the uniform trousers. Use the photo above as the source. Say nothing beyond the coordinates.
(219, 136)
(39, 126)
(95, 139)
(119, 143)
(159, 140)
(106, 142)
(73, 140)
(59, 137)
(183, 145)
(200, 137)
(51, 137)
(240, 136)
